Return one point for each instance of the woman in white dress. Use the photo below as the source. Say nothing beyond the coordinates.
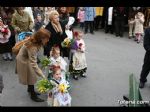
(79, 60)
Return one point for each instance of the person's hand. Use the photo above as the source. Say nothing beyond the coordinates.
(17, 29)
(43, 76)
(67, 27)
(78, 49)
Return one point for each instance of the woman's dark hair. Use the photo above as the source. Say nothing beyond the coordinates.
(60, 12)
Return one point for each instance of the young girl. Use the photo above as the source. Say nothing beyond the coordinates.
(79, 60)
(57, 59)
(81, 14)
(139, 30)
(5, 47)
(58, 96)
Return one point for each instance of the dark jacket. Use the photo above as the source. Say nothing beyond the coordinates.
(146, 42)
(38, 25)
(119, 15)
(1, 84)
(56, 38)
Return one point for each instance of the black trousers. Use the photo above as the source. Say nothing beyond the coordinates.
(146, 68)
(119, 27)
(89, 24)
(109, 28)
(97, 22)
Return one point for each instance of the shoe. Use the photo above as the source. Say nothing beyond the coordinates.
(130, 37)
(31, 88)
(141, 85)
(35, 98)
(85, 32)
(9, 57)
(5, 57)
(106, 31)
(92, 32)
(75, 77)
(83, 75)
(35, 92)
(117, 35)
(121, 36)
(135, 39)
(138, 42)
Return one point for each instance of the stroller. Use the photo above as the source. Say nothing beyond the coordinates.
(23, 35)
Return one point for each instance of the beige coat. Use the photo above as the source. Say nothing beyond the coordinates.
(139, 27)
(26, 66)
(22, 23)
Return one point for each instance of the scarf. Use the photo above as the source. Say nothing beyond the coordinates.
(110, 13)
(57, 27)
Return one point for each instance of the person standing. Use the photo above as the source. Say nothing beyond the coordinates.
(89, 19)
(5, 46)
(98, 19)
(119, 19)
(146, 66)
(21, 21)
(139, 26)
(109, 24)
(81, 15)
(58, 34)
(26, 61)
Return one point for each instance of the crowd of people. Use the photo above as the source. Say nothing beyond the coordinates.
(48, 25)
(111, 19)
(49, 35)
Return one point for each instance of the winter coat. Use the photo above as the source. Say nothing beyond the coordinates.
(38, 25)
(79, 59)
(22, 23)
(56, 38)
(99, 11)
(89, 13)
(26, 65)
(107, 16)
(139, 25)
(119, 15)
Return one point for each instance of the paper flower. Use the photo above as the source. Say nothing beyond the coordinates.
(63, 88)
(75, 34)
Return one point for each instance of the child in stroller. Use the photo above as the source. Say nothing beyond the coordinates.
(59, 95)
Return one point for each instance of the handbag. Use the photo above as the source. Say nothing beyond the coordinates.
(18, 45)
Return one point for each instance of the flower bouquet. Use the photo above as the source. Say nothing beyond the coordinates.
(67, 42)
(44, 85)
(45, 62)
(4, 30)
